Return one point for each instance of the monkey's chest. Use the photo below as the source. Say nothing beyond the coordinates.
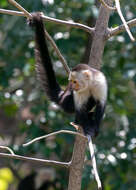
(80, 99)
(84, 102)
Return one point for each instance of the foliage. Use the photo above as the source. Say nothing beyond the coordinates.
(24, 103)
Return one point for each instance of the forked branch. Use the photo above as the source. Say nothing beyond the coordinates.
(123, 20)
(107, 6)
(121, 28)
(55, 133)
(7, 148)
(54, 20)
(41, 161)
(18, 6)
(28, 15)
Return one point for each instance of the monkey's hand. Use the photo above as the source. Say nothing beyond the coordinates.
(74, 125)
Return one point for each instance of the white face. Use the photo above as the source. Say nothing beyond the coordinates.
(80, 80)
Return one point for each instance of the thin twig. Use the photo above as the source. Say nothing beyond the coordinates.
(107, 6)
(11, 12)
(91, 148)
(47, 35)
(7, 148)
(70, 23)
(52, 134)
(121, 28)
(18, 6)
(36, 160)
(123, 20)
(54, 20)
(62, 59)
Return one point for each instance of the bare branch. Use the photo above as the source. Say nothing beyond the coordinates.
(52, 134)
(70, 23)
(121, 28)
(62, 59)
(7, 148)
(27, 14)
(11, 12)
(91, 148)
(57, 21)
(107, 6)
(47, 35)
(36, 160)
(18, 6)
(123, 20)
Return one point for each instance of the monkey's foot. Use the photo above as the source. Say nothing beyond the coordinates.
(74, 125)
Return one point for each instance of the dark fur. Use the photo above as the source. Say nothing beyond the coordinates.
(90, 121)
(45, 70)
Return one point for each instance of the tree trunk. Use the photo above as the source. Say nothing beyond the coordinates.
(98, 41)
(95, 59)
(78, 157)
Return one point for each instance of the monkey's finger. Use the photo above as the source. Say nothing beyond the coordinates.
(74, 125)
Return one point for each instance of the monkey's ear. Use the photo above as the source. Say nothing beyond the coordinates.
(86, 74)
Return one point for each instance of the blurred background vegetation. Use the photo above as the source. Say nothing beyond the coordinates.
(25, 112)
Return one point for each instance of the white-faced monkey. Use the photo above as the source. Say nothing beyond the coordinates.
(86, 92)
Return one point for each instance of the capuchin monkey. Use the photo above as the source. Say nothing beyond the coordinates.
(86, 92)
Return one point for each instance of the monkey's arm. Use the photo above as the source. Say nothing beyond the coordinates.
(45, 70)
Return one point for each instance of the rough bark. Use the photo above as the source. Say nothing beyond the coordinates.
(77, 163)
(95, 60)
(98, 42)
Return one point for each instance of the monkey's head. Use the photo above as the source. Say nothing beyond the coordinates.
(80, 78)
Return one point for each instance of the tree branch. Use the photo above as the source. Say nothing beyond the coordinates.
(121, 28)
(27, 14)
(107, 6)
(123, 20)
(54, 20)
(62, 59)
(7, 148)
(91, 148)
(55, 133)
(36, 160)
(18, 6)
(46, 33)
